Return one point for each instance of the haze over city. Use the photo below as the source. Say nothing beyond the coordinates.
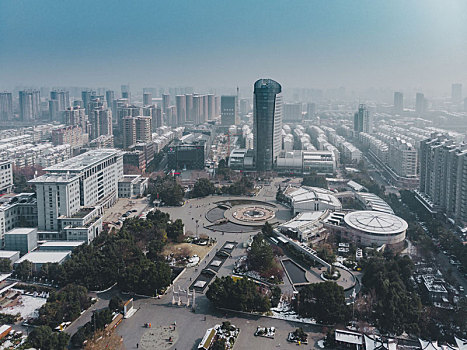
(220, 175)
(408, 45)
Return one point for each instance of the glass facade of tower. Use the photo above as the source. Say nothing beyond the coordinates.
(267, 124)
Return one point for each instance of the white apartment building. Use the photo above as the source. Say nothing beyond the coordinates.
(88, 180)
(443, 177)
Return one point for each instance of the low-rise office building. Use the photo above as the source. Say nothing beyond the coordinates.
(38, 259)
(12, 255)
(23, 240)
(131, 186)
(59, 246)
(306, 198)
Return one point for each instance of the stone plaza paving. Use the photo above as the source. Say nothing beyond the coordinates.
(191, 326)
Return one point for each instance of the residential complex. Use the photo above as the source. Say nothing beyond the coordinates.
(443, 176)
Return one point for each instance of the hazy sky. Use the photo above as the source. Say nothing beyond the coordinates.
(396, 43)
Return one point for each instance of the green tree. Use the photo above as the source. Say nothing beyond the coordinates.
(5, 265)
(101, 318)
(24, 270)
(218, 344)
(64, 305)
(175, 230)
(397, 308)
(323, 301)
(43, 338)
(242, 295)
(260, 256)
(167, 190)
(202, 188)
(267, 229)
(116, 303)
(315, 181)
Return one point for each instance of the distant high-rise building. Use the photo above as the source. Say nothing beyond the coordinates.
(211, 107)
(420, 103)
(205, 107)
(217, 102)
(171, 116)
(29, 105)
(53, 110)
(101, 122)
(229, 113)
(244, 106)
(6, 106)
(189, 106)
(77, 116)
(127, 110)
(181, 109)
(465, 104)
(136, 129)
(398, 102)
(155, 112)
(456, 93)
(110, 97)
(143, 129)
(310, 110)
(126, 92)
(196, 110)
(267, 123)
(292, 112)
(165, 102)
(62, 98)
(86, 97)
(147, 98)
(362, 120)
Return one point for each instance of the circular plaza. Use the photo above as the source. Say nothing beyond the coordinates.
(241, 215)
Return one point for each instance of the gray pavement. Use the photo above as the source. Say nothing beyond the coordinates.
(191, 326)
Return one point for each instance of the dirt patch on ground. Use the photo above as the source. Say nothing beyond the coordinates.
(191, 249)
(159, 338)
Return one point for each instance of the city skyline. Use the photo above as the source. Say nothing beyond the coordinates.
(401, 45)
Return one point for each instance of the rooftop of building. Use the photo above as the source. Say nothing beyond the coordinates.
(375, 222)
(39, 257)
(129, 178)
(61, 244)
(56, 178)
(83, 212)
(309, 194)
(21, 231)
(373, 202)
(7, 253)
(84, 160)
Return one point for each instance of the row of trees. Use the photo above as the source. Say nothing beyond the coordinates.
(241, 295)
(244, 186)
(202, 188)
(64, 305)
(99, 320)
(167, 190)
(43, 337)
(393, 304)
(315, 180)
(323, 301)
(261, 258)
(130, 257)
